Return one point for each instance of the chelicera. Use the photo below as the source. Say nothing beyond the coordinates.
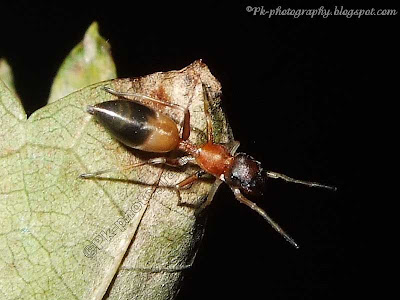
(140, 127)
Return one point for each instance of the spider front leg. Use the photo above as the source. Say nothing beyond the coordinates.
(242, 199)
(206, 101)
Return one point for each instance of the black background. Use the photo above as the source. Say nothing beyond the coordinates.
(297, 93)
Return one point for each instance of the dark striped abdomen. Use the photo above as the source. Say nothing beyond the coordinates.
(136, 125)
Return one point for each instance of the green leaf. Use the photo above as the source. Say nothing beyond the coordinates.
(6, 74)
(89, 62)
(63, 237)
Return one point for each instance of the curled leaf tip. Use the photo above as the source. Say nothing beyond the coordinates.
(89, 62)
(6, 74)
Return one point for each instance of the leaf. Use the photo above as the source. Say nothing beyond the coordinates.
(6, 74)
(124, 235)
(89, 62)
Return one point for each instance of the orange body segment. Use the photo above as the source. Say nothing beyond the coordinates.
(163, 136)
(214, 159)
